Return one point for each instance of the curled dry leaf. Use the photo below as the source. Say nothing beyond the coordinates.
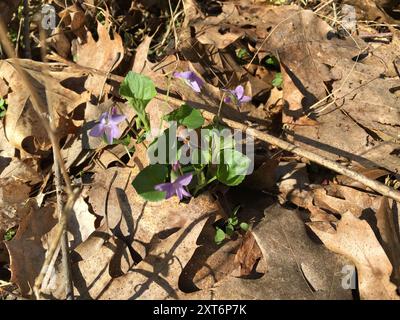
(105, 54)
(355, 239)
(74, 18)
(52, 82)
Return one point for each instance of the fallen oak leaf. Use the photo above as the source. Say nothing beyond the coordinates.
(285, 245)
(355, 240)
(23, 128)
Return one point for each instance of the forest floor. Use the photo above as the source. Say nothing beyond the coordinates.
(299, 201)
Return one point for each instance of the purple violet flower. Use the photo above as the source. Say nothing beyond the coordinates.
(177, 187)
(191, 79)
(108, 125)
(237, 96)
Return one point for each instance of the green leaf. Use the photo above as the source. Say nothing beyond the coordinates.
(219, 236)
(243, 54)
(186, 116)
(137, 87)
(233, 167)
(9, 234)
(272, 61)
(235, 211)
(229, 230)
(233, 221)
(244, 226)
(278, 81)
(146, 180)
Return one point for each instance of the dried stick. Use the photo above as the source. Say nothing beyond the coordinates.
(27, 42)
(66, 265)
(39, 108)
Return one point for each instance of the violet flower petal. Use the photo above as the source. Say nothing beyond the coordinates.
(179, 193)
(191, 79)
(98, 130)
(183, 75)
(117, 118)
(184, 180)
(195, 86)
(109, 134)
(239, 92)
(185, 193)
(245, 99)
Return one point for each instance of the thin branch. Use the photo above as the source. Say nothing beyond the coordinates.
(66, 265)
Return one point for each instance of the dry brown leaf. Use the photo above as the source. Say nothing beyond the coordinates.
(355, 240)
(105, 54)
(28, 248)
(14, 206)
(74, 18)
(248, 255)
(81, 224)
(22, 125)
(285, 245)
(25, 170)
(60, 42)
(338, 199)
(157, 276)
(372, 10)
(264, 177)
(293, 183)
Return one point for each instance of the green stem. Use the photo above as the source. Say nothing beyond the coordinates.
(199, 187)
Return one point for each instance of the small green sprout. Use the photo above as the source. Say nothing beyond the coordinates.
(278, 80)
(232, 225)
(272, 61)
(243, 54)
(9, 234)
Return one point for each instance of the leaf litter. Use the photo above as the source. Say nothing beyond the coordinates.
(290, 70)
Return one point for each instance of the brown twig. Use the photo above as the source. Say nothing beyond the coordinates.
(27, 41)
(65, 260)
